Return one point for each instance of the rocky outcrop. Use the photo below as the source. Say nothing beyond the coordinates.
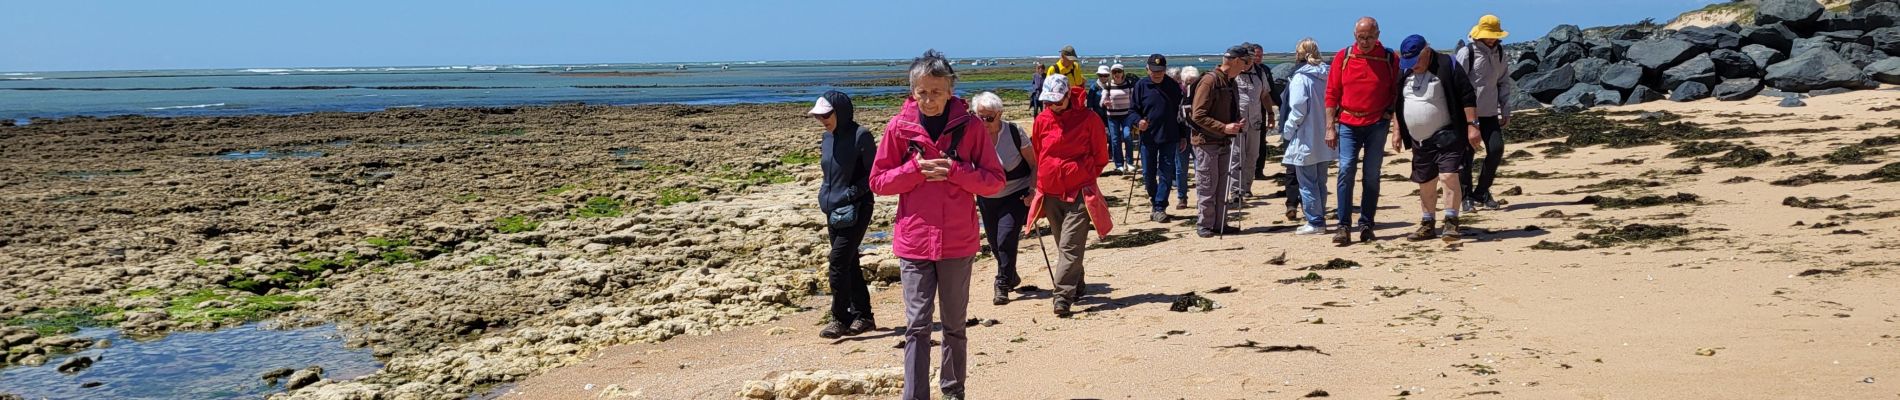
(1816, 70)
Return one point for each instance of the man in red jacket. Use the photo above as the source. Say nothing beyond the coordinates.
(1071, 148)
(1360, 92)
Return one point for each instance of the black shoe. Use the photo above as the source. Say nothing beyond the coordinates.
(1292, 213)
(1491, 203)
(1002, 297)
(1231, 229)
(862, 325)
(1427, 230)
(1365, 233)
(833, 330)
(1451, 229)
(1344, 236)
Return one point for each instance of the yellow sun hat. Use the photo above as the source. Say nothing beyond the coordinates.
(1488, 28)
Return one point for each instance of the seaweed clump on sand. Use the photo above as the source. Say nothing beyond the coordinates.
(1837, 203)
(1805, 179)
(1557, 246)
(1134, 238)
(1740, 156)
(1618, 183)
(1886, 173)
(1192, 302)
(1852, 155)
(1698, 149)
(1334, 264)
(1632, 233)
(1607, 202)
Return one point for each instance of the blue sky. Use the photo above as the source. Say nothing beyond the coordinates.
(64, 35)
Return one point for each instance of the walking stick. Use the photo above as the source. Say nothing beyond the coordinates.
(1045, 254)
(1128, 202)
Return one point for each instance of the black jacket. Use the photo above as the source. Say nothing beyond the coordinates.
(1160, 104)
(845, 158)
(1458, 91)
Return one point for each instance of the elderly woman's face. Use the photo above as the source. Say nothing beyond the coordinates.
(992, 119)
(932, 94)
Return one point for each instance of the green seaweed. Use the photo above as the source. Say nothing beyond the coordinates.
(1632, 233)
(1607, 203)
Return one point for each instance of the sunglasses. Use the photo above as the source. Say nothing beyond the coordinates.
(987, 118)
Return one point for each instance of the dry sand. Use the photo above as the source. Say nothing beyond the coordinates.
(1493, 319)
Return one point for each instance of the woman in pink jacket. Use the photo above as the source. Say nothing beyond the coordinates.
(936, 158)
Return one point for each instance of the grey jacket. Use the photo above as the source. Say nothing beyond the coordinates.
(1255, 89)
(1490, 74)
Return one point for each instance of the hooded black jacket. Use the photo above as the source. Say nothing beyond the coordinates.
(846, 158)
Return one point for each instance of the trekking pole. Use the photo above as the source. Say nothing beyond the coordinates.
(1128, 202)
(1045, 253)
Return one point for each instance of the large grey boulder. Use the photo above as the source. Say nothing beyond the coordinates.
(1734, 64)
(1710, 38)
(1602, 48)
(1565, 34)
(1284, 71)
(1578, 98)
(1775, 36)
(1803, 45)
(1738, 89)
(1884, 71)
(1642, 94)
(1886, 40)
(1841, 21)
(1607, 97)
(1861, 55)
(1763, 55)
(1622, 76)
(1816, 70)
(1838, 37)
(1520, 100)
(1662, 54)
(1589, 69)
(1521, 68)
(1562, 54)
(1698, 69)
(1884, 13)
(1802, 16)
(1546, 85)
(1690, 91)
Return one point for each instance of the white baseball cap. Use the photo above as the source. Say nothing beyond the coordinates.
(823, 107)
(1054, 88)
(1116, 67)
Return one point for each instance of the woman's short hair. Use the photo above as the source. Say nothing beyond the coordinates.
(932, 64)
(1190, 74)
(986, 101)
(1306, 51)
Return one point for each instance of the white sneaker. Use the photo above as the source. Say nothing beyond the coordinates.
(1309, 230)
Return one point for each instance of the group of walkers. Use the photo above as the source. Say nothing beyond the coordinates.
(964, 176)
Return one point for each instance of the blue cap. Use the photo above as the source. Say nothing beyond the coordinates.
(1409, 51)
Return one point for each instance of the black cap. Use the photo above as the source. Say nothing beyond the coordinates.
(1157, 63)
(1239, 51)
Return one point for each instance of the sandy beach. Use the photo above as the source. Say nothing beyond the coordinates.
(1757, 300)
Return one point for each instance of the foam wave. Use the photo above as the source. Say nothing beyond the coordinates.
(279, 71)
(187, 107)
(265, 70)
(17, 74)
(483, 68)
(30, 78)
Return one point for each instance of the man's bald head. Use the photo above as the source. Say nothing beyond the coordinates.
(1365, 33)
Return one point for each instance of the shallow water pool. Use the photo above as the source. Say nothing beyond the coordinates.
(225, 364)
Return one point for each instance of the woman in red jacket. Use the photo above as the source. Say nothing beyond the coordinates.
(1071, 149)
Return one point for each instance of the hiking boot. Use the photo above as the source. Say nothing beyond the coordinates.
(952, 396)
(1470, 206)
(1002, 297)
(1062, 308)
(1158, 217)
(1491, 203)
(1292, 213)
(1181, 205)
(1204, 232)
(1451, 228)
(833, 330)
(1427, 229)
(1365, 233)
(1308, 229)
(1344, 237)
(862, 325)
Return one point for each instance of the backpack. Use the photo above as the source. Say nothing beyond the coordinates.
(1022, 167)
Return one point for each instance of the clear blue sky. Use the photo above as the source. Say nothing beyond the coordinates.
(64, 35)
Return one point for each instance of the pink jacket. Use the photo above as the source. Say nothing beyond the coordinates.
(936, 220)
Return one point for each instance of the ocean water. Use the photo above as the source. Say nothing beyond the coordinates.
(26, 95)
(224, 364)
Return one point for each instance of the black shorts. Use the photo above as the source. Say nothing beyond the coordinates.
(1443, 153)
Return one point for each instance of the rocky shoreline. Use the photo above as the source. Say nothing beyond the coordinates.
(466, 247)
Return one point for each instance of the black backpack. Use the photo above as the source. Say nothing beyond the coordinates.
(1022, 167)
(956, 141)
